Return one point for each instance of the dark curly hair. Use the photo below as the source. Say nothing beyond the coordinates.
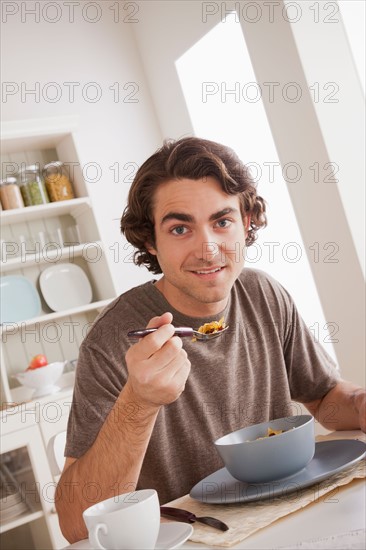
(191, 158)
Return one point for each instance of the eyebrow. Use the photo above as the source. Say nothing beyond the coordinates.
(180, 216)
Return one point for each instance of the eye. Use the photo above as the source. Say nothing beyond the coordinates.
(179, 230)
(224, 223)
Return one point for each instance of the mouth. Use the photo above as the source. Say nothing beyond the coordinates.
(206, 272)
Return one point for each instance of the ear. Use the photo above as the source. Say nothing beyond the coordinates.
(247, 223)
(150, 248)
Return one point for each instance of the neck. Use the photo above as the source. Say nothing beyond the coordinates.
(188, 305)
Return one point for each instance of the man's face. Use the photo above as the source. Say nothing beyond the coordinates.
(199, 243)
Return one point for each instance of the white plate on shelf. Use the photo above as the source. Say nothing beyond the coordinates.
(65, 286)
(171, 536)
(19, 299)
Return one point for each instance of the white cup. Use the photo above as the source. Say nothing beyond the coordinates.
(130, 521)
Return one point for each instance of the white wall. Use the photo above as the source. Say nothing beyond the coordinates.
(166, 30)
(109, 132)
(105, 52)
(340, 107)
(310, 50)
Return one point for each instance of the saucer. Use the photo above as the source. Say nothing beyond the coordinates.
(330, 457)
(171, 536)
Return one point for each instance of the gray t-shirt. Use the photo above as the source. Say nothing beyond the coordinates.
(253, 373)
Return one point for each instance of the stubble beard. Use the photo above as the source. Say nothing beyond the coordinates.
(207, 296)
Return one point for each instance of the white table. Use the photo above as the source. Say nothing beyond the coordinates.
(336, 514)
(341, 513)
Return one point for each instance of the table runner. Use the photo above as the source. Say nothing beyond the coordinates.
(247, 518)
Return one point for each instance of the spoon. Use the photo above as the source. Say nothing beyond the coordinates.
(179, 331)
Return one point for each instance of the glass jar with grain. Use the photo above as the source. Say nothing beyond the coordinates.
(32, 186)
(58, 183)
(10, 194)
(24, 190)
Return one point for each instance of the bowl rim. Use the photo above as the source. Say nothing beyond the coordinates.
(32, 372)
(221, 443)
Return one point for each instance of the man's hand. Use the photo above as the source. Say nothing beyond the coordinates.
(361, 406)
(342, 408)
(158, 366)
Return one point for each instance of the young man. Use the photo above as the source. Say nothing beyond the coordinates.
(146, 414)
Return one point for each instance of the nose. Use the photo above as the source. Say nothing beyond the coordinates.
(206, 247)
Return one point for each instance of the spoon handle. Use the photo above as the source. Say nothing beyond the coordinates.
(141, 332)
(189, 517)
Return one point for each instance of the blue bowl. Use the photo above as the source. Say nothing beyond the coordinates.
(254, 460)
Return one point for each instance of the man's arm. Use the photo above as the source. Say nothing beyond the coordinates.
(110, 467)
(158, 369)
(342, 408)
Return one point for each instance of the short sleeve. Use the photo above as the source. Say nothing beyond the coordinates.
(311, 371)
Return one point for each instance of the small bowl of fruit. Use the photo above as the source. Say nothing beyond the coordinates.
(41, 375)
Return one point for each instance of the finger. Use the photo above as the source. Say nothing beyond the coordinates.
(173, 374)
(168, 353)
(181, 370)
(176, 373)
(152, 343)
(180, 378)
(164, 319)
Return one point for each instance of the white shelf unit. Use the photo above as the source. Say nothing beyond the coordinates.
(29, 246)
(26, 422)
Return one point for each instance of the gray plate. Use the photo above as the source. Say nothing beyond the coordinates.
(330, 457)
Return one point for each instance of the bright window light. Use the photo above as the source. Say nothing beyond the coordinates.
(353, 14)
(224, 103)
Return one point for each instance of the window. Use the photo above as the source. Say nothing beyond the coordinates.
(353, 16)
(224, 103)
